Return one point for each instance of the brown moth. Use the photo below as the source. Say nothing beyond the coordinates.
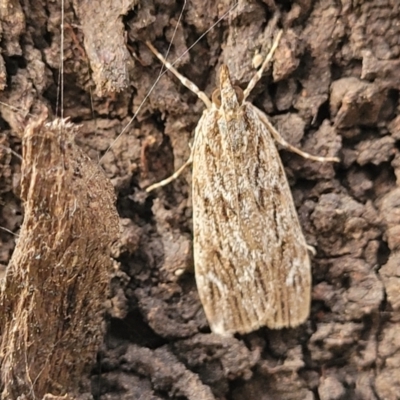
(251, 259)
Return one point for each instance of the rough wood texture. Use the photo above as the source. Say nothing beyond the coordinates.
(56, 283)
(335, 79)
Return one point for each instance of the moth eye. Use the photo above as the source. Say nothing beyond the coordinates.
(239, 94)
(216, 98)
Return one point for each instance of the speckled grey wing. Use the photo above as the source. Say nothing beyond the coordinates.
(251, 261)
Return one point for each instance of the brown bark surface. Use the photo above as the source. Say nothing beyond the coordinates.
(333, 88)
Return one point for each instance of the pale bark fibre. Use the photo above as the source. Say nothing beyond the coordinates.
(56, 283)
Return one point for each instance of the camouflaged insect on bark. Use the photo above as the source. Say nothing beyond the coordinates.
(251, 259)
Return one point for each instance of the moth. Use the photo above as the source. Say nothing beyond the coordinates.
(252, 265)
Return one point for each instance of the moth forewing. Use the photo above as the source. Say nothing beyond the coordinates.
(251, 261)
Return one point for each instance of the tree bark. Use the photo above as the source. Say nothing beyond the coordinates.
(55, 287)
(333, 89)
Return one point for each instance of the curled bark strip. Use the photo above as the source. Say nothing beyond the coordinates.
(52, 297)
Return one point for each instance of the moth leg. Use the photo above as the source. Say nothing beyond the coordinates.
(311, 249)
(278, 138)
(202, 96)
(186, 82)
(172, 177)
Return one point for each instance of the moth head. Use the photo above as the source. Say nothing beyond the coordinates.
(216, 96)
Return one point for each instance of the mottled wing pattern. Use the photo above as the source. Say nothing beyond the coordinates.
(251, 261)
